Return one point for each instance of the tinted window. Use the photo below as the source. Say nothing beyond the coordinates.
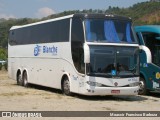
(77, 38)
(111, 61)
(57, 31)
(77, 31)
(106, 30)
(153, 44)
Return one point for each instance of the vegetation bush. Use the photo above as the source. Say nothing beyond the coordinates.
(3, 56)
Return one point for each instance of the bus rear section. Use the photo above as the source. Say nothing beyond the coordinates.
(89, 54)
(149, 40)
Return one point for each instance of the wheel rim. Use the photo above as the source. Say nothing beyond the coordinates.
(19, 80)
(141, 87)
(25, 80)
(66, 87)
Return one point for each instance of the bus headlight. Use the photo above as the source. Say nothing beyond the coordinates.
(134, 84)
(94, 84)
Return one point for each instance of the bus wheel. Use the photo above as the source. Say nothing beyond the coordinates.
(66, 86)
(142, 87)
(25, 79)
(19, 79)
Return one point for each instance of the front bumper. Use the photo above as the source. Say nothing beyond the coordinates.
(102, 91)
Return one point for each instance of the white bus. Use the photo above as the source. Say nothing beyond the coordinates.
(89, 54)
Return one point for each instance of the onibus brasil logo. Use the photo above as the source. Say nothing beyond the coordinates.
(45, 49)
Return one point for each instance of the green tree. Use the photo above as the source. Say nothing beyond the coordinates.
(3, 54)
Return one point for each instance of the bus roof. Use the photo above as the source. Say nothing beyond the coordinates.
(77, 15)
(41, 22)
(98, 15)
(148, 28)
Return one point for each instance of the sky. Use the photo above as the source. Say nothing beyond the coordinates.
(43, 8)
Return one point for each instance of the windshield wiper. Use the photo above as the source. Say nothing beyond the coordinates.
(127, 71)
(132, 70)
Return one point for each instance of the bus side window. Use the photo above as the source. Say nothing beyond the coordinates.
(12, 40)
(149, 39)
(77, 40)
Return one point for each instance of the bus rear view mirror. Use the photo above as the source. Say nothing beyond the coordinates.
(86, 54)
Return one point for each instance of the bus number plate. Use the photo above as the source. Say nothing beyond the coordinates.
(115, 91)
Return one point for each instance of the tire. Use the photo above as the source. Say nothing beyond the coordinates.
(66, 87)
(25, 79)
(142, 87)
(19, 79)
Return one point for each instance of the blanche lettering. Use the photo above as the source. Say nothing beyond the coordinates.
(45, 49)
(52, 50)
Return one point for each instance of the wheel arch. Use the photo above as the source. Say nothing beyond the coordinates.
(147, 89)
(19, 71)
(25, 71)
(63, 78)
(144, 77)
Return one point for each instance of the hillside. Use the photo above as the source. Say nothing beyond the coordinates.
(141, 13)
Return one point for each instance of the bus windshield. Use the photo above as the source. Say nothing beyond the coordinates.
(114, 61)
(110, 31)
